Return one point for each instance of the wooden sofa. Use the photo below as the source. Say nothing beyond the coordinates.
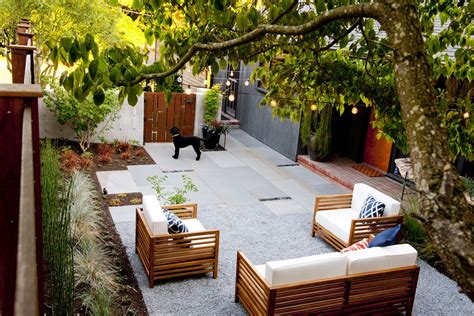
(389, 291)
(166, 255)
(335, 217)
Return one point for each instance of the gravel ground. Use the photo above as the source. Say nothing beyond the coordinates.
(264, 236)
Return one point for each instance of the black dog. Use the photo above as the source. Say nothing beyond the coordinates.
(185, 141)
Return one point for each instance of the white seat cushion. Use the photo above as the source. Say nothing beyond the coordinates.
(261, 270)
(380, 258)
(154, 216)
(362, 191)
(337, 222)
(193, 225)
(305, 269)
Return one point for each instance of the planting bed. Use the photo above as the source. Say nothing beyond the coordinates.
(129, 298)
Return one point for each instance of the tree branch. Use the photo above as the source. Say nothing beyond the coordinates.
(336, 40)
(372, 10)
(283, 13)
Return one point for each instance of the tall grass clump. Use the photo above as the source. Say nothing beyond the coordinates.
(415, 234)
(95, 272)
(57, 236)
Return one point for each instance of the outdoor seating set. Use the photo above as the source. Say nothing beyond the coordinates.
(360, 279)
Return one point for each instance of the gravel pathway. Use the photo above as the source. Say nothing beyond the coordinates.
(264, 236)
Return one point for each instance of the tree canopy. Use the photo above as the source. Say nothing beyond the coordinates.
(397, 71)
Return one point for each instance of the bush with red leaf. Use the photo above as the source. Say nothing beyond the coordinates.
(122, 147)
(104, 158)
(104, 149)
(125, 155)
(85, 161)
(69, 159)
(140, 152)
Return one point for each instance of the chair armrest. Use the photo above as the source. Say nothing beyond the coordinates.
(364, 227)
(250, 286)
(332, 202)
(183, 211)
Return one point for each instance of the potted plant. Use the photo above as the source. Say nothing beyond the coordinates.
(212, 131)
(212, 128)
(316, 133)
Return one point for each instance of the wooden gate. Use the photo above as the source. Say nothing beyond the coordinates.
(160, 117)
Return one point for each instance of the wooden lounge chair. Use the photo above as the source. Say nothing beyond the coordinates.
(335, 217)
(166, 255)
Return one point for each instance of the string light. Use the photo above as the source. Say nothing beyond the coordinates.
(354, 110)
(466, 115)
(231, 98)
(188, 90)
(246, 82)
(231, 73)
(227, 83)
(179, 79)
(273, 103)
(313, 107)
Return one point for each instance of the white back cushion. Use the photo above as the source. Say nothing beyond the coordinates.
(380, 258)
(154, 216)
(305, 269)
(362, 191)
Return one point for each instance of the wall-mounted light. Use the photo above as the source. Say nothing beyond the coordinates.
(231, 97)
(354, 110)
(466, 115)
(273, 103)
(246, 82)
(314, 107)
(188, 90)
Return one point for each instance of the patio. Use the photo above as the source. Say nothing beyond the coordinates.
(262, 203)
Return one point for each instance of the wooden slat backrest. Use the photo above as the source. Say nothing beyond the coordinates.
(363, 227)
(332, 202)
(183, 211)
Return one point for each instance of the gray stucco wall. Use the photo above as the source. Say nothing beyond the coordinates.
(258, 122)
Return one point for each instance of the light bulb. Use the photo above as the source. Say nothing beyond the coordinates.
(273, 103)
(188, 90)
(246, 82)
(227, 83)
(231, 73)
(354, 110)
(231, 98)
(466, 115)
(313, 107)
(179, 79)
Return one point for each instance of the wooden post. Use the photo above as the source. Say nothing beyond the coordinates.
(23, 38)
(21, 235)
(19, 53)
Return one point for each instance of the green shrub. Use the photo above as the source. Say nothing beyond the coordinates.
(211, 104)
(469, 184)
(82, 117)
(178, 195)
(321, 141)
(414, 234)
(57, 237)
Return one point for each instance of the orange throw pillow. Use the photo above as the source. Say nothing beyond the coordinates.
(363, 244)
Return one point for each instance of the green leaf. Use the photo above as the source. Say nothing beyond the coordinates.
(242, 21)
(99, 96)
(89, 41)
(132, 98)
(214, 67)
(66, 43)
(218, 4)
(93, 68)
(149, 36)
(156, 4)
(68, 82)
(320, 6)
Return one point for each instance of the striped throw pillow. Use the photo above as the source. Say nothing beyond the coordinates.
(362, 244)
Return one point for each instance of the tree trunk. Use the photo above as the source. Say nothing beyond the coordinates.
(449, 218)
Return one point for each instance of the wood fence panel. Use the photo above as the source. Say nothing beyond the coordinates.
(160, 117)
